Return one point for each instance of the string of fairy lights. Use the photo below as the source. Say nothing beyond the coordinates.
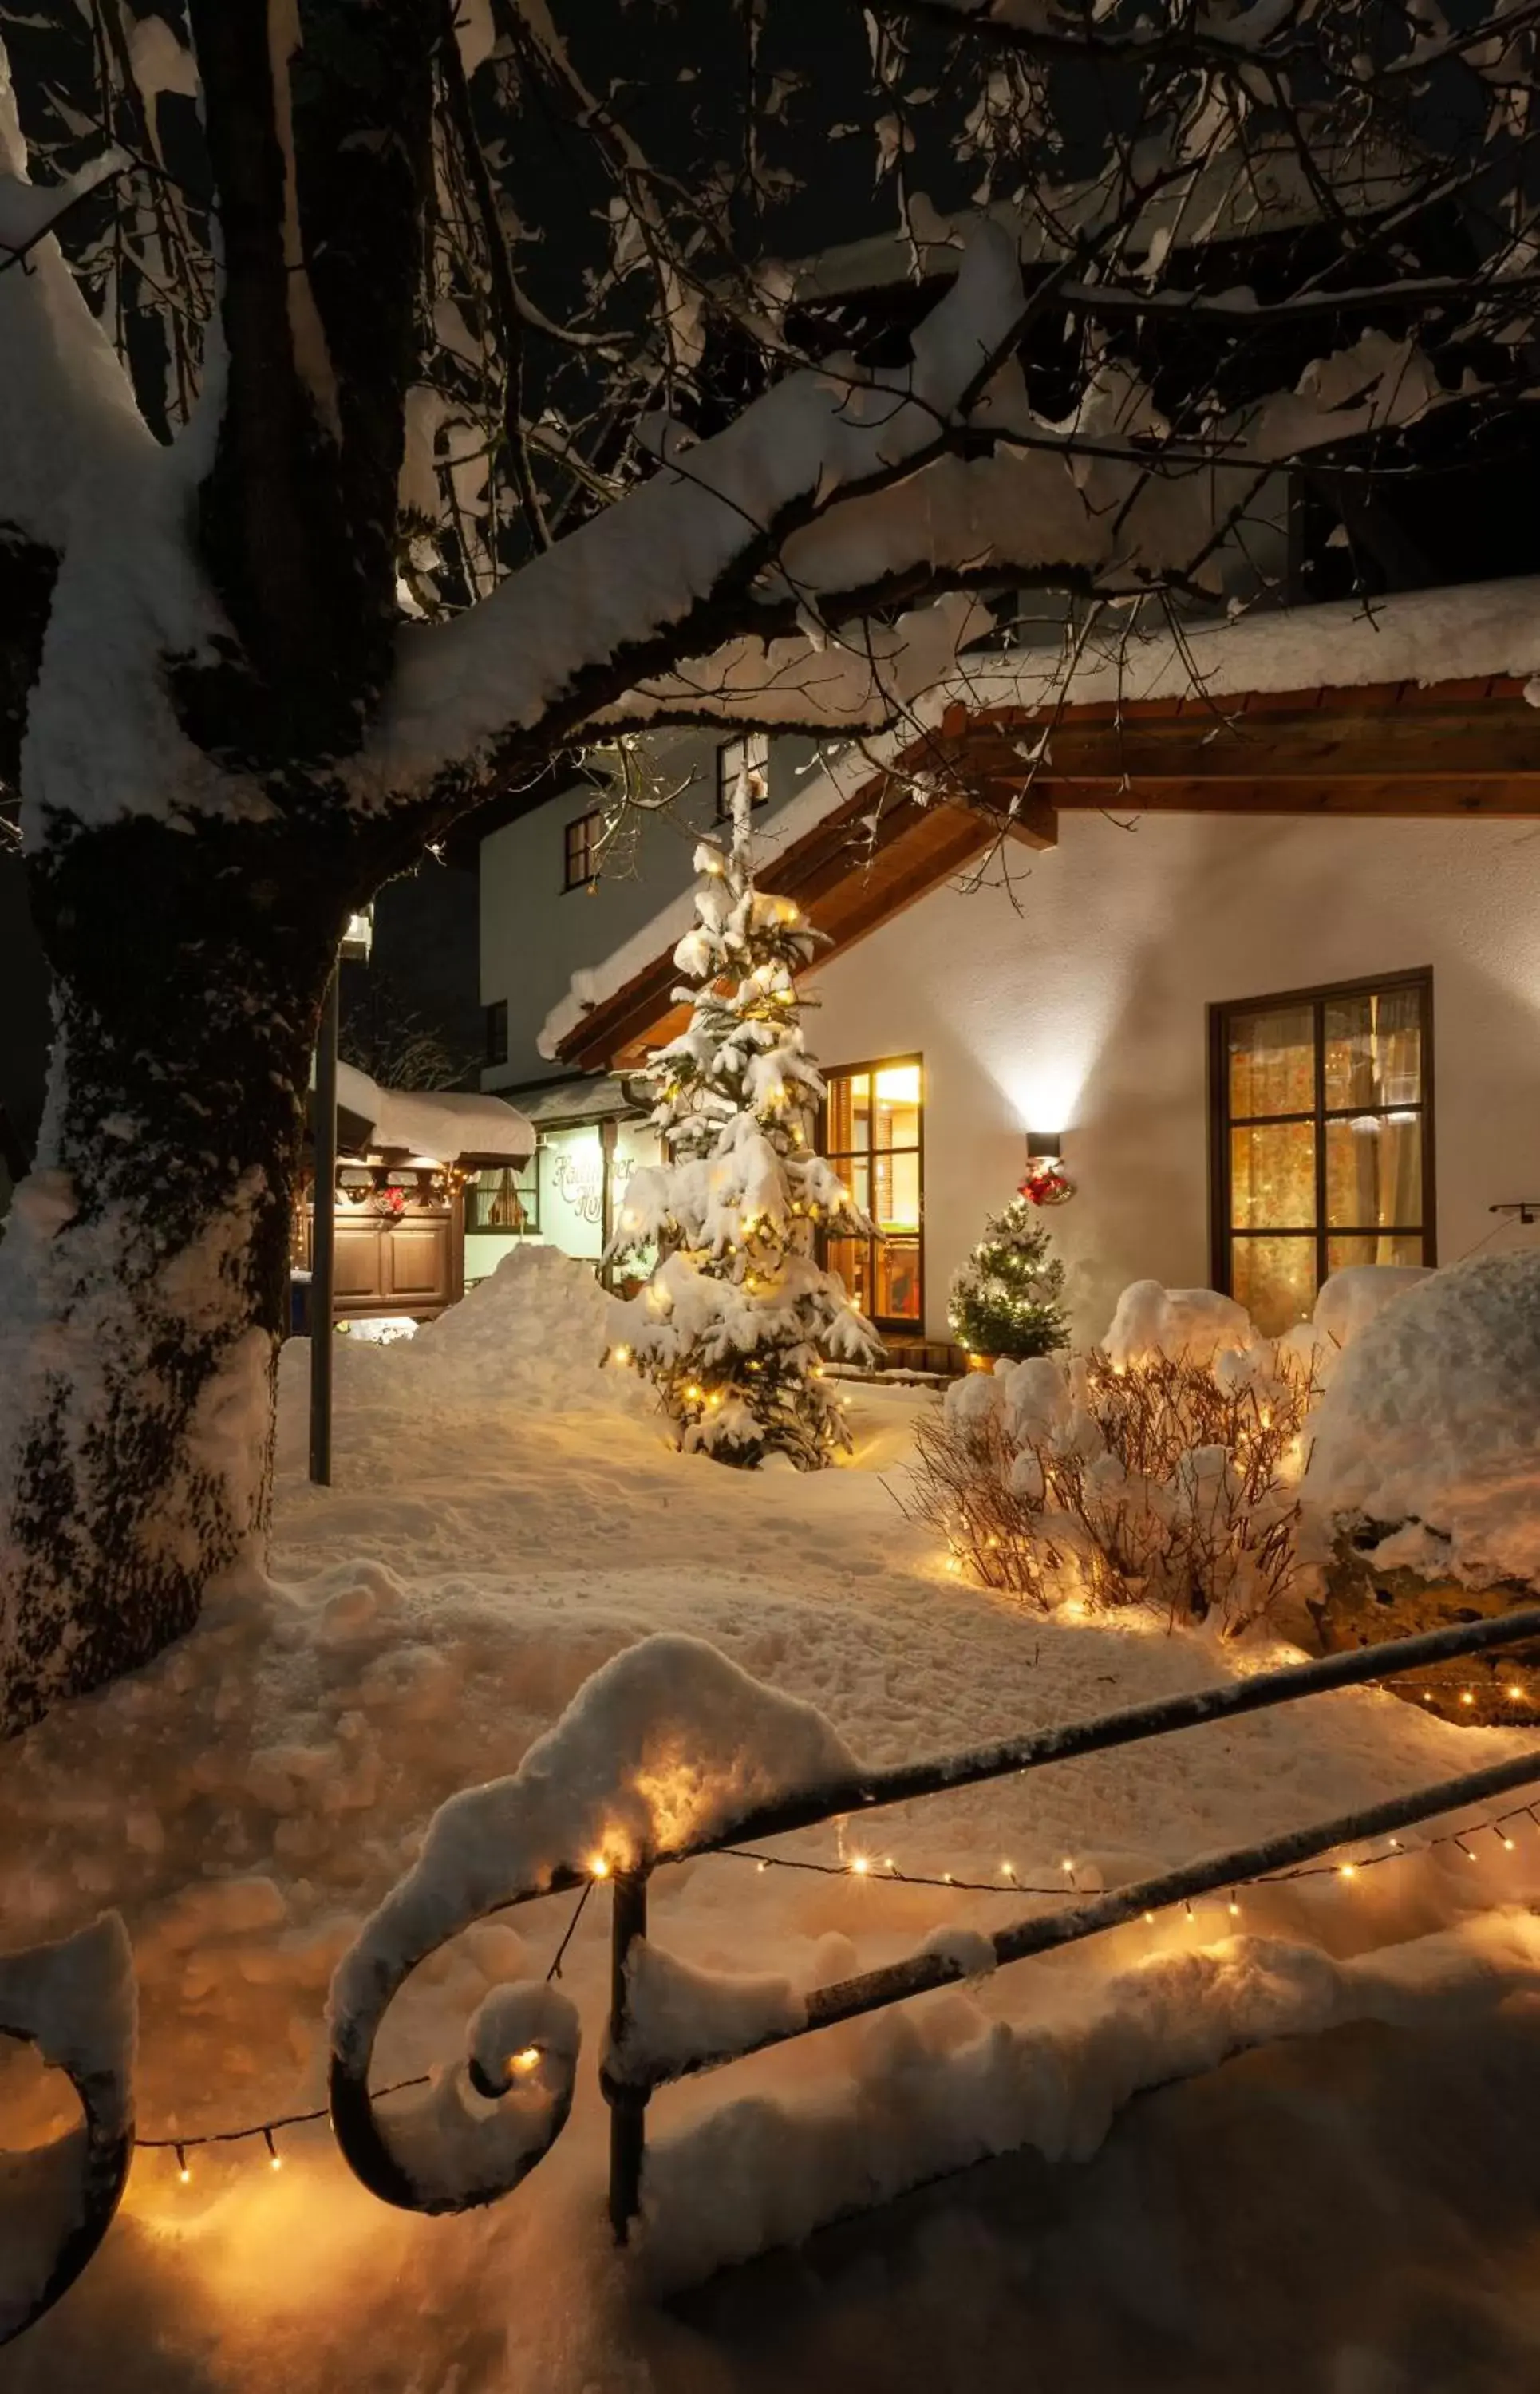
(266, 2130)
(884, 1871)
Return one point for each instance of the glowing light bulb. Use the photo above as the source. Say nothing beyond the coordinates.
(1007, 1869)
(525, 2061)
(1465, 1696)
(1517, 1694)
(1507, 1845)
(620, 1354)
(598, 1867)
(1066, 1866)
(1347, 1870)
(860, 1865)
(1148, 1920)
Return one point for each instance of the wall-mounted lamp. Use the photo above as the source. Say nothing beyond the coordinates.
(359, 937)
(1047, 1182)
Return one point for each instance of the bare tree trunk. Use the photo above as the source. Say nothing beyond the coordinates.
(144, 1279)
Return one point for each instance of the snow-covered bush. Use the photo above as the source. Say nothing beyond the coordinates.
(1130, 1475)
(1430, 1424)
(738, 1314)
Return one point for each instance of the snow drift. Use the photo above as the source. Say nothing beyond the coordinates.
(1432, 1417)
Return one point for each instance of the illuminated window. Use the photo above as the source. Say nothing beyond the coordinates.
(1323, 1139)
(749, 754)
(581, 850)
(505, 1197)
(874, 1139)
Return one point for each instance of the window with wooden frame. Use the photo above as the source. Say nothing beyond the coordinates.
(874, 1119)
(581, 850)
(1322, 1138)
(750, 755)
(505, 1197)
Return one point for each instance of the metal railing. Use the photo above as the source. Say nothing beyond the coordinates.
(629, 2074)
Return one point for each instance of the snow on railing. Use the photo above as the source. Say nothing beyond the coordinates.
(75, 2002)
(666, 2022)
(625, 1783)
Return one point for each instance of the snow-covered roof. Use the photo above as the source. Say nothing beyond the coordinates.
(1425, 637)
(588, 1097)
(450, 1126)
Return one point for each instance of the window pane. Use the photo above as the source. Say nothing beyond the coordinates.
(1373, 1049)
(1272, 1177)
(897, 1296)
(1342, 1251)
(897, 1191)
(896, 1122)
(850, 1107)
(852, 1259)
(502, 1200)
(1374, 1171)
(1274, 1279)
(1272, 1061)
(856, 1173)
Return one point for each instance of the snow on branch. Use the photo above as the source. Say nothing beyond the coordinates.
(631, 582)
(66, 405)
(831, 681)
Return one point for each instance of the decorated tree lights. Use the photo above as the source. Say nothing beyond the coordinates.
(1007, 1298)
(738, 1317)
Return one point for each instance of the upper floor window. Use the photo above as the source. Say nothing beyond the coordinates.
(1323, 1139)
(498, 1030)
(750, 755)
(581, 850)
(874, 1118)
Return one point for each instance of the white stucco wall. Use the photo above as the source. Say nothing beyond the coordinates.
(535, 934)
(1077, 1001)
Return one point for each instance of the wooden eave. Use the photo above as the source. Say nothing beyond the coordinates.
(1390, 749)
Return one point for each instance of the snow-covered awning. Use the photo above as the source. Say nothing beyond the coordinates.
(444, 1125)
(591, 1098)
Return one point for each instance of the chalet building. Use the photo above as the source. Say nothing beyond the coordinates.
(1244, 926)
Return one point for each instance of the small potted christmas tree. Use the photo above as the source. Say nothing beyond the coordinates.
(1006, 1298)
(738, 1316)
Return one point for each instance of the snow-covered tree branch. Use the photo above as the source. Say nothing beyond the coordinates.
(390, 398)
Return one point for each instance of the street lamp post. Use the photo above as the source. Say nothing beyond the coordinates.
(357, 940)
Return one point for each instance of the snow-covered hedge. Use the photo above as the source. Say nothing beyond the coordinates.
(1431, 1424)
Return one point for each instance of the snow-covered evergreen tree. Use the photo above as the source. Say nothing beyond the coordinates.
(734, 1323)
(1005, 1299)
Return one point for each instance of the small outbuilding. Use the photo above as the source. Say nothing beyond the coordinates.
(404, 1159)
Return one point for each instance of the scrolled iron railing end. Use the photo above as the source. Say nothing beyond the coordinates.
(75, 2002)
(473, 2132)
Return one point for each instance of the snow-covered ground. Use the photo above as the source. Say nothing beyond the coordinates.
(504, 1520)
